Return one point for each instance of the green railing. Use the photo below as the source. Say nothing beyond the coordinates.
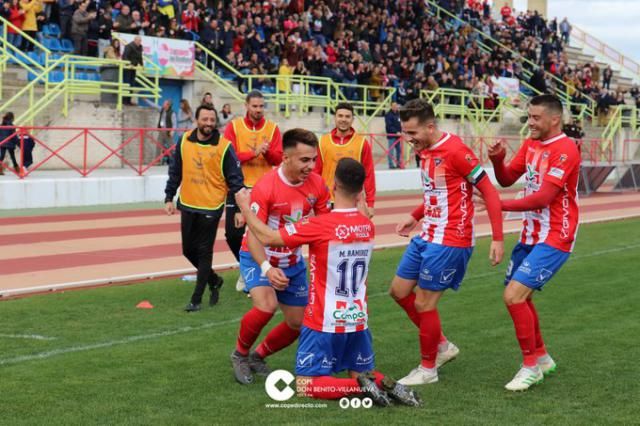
(10, 53)
(562, 90)
(299, 93)
(147, 80)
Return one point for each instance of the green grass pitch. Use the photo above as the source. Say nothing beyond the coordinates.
(109, 363)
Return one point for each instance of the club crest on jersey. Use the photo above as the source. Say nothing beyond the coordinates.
(545, 154)
(255, 208)
(563, 158)
(468, 157)
(437, 161)
(342, 232)
(428, 182)
(312, 199)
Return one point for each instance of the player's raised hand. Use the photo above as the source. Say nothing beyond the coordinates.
(406, 226)
(243, 198)
(497, 152)
(496, 252)
(277, 278)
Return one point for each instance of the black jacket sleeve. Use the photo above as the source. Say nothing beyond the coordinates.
(175, 174)
(232, 171)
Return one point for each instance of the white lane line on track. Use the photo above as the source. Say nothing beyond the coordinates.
(26, 336)
(189, 329)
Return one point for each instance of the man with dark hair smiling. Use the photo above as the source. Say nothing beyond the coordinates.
(258, 143)
(344, 142)
(436, 260)
(277, 276)
(550, 162)
(205, 167)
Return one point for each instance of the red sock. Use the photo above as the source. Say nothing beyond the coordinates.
(430, 331)
(409, 306)
(525, 331)
(328, 387)
(378, 379)
(278, 338)
(540, 349)
(443, 338)
(250, 327)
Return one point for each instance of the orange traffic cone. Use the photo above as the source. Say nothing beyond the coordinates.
(145, 304)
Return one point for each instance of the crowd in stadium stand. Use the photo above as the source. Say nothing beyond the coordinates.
(383, 43)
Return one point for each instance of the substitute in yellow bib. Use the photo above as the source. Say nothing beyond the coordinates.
(344, 142)
(205, 168)
(258, 144)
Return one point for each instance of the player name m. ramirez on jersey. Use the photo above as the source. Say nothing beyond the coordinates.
(340, 248)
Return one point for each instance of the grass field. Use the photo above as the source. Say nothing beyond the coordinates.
(107, 362)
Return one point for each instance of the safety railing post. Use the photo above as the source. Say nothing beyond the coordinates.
(20, 131)
(141, 152)
(85, 133)
(120, 86)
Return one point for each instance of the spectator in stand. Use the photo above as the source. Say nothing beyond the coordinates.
(284, 82)
(29, 25)
(124, 21)
(113, 51)
(606, 78)
(393, 129)
(80, 27)
(138, 25)
(65, 13)
(191, 18)
(565, 30)
(16, 17)
(505, 12)
(207, 99)
(226, 115)
(132, 54)
(105, 26)
(185, 118)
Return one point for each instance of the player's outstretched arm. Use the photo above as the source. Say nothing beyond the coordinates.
(538, 200)
(264, 234)
(492, 204)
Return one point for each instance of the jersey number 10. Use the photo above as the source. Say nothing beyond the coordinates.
(350, 276)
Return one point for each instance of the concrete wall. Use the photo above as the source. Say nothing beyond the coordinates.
(104, 190)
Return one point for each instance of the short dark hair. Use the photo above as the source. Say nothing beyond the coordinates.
(350, 176)
(550, 102)
(417, 108)
(254, 94)
(293, 137)
(344, 105)
(8, 117)
(206, 107)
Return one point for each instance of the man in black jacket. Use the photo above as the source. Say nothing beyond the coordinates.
(392, 128)
(133, 54)
(205, 167)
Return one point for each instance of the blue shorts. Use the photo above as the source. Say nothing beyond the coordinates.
(322, 354)
(534, 265)
(296, 294)
(434, 266)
